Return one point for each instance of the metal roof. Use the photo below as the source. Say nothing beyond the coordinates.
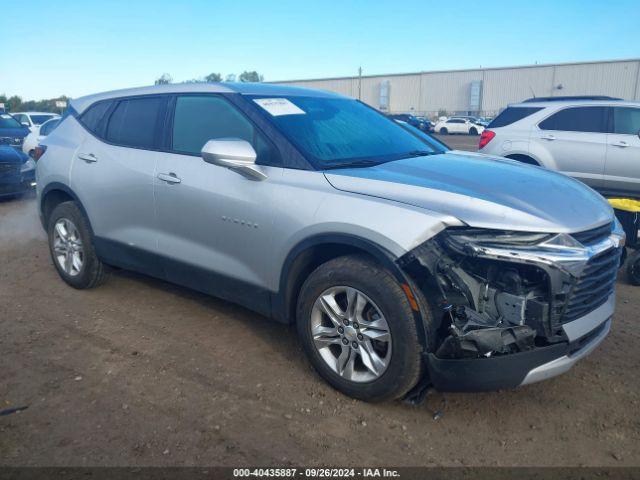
(80, 104)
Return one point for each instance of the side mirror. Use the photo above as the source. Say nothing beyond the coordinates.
(235, 154)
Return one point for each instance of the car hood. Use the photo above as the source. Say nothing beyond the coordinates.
(14, 132)
(11, 155)
(482, 191)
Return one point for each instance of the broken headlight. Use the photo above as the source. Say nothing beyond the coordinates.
(484, 237)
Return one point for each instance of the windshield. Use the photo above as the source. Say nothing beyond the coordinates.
(7, 121)
(40, 119)
(337, 132)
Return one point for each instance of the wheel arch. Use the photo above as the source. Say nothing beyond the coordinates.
(524, 158)
(54, 194)
(311, 252)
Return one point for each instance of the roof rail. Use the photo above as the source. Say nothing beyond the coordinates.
(570, 98)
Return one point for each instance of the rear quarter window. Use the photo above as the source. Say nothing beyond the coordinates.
(511, 115)
(94, 118)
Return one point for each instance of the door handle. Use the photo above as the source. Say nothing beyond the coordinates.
(621, 144)
(169, 177)
(88, 157)
(548, 137)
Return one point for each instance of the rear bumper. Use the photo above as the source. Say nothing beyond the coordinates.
(511, 371)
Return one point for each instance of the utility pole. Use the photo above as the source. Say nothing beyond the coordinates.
(359, 83)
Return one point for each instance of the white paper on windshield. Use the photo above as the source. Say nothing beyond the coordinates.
(279, 106)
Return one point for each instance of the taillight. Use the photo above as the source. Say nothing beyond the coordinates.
(39, 151)
(485, 138)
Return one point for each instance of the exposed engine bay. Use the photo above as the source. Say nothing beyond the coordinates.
(489, 306)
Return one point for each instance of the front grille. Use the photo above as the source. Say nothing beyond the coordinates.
(9, 168)
(589, 237)
(594, 286)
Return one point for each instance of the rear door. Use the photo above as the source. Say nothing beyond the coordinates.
(576, 139)
(622, 169)
(113, 172)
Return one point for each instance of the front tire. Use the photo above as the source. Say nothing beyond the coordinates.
(71, 247)
(444, 131)
(358, 330)
(473, 131)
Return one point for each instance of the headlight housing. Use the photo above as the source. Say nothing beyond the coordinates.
(478, 236)
(28, 165)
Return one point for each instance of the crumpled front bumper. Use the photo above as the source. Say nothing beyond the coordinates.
(511, 371)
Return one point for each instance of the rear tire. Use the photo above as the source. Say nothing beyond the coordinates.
(71, 247)
(444, 131)
(379, 341)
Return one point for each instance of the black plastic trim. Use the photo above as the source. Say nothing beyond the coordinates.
(196, 278)
(486, 374)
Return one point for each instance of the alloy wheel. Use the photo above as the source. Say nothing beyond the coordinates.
(67, 247)
(351, 334)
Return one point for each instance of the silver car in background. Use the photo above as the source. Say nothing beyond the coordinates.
(401, 263)
(593, 139)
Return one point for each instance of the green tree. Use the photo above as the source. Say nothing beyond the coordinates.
(231, 77)
(164, 79)
(213, 77)
(13, 104)
(251, 76)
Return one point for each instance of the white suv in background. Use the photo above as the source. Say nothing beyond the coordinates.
(593, 139)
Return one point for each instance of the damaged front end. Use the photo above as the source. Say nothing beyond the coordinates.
(505, 303)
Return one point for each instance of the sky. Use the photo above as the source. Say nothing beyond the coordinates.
(50, 48)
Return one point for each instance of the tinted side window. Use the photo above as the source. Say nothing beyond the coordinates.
(626, 120)
(511, 115)
(134, 122)
(93, 117)
(577, 119)
(198, 119)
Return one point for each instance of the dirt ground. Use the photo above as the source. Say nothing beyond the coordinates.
(141, 372)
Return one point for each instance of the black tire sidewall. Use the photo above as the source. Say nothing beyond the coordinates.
(443, 131)
(380, 286)
(633, 268)
(91, 263)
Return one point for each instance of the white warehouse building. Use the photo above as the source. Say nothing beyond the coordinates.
(484, 91)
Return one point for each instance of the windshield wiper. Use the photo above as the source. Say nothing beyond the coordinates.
(419, 153)
(360, 164)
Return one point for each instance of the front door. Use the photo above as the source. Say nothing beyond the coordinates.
(622, 169)
(215, 225)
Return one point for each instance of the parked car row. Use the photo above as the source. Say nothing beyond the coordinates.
(596, 140)
(420, 123)
(20, 134)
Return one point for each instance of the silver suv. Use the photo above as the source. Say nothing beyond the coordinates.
(401, 263)
(596, 141)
